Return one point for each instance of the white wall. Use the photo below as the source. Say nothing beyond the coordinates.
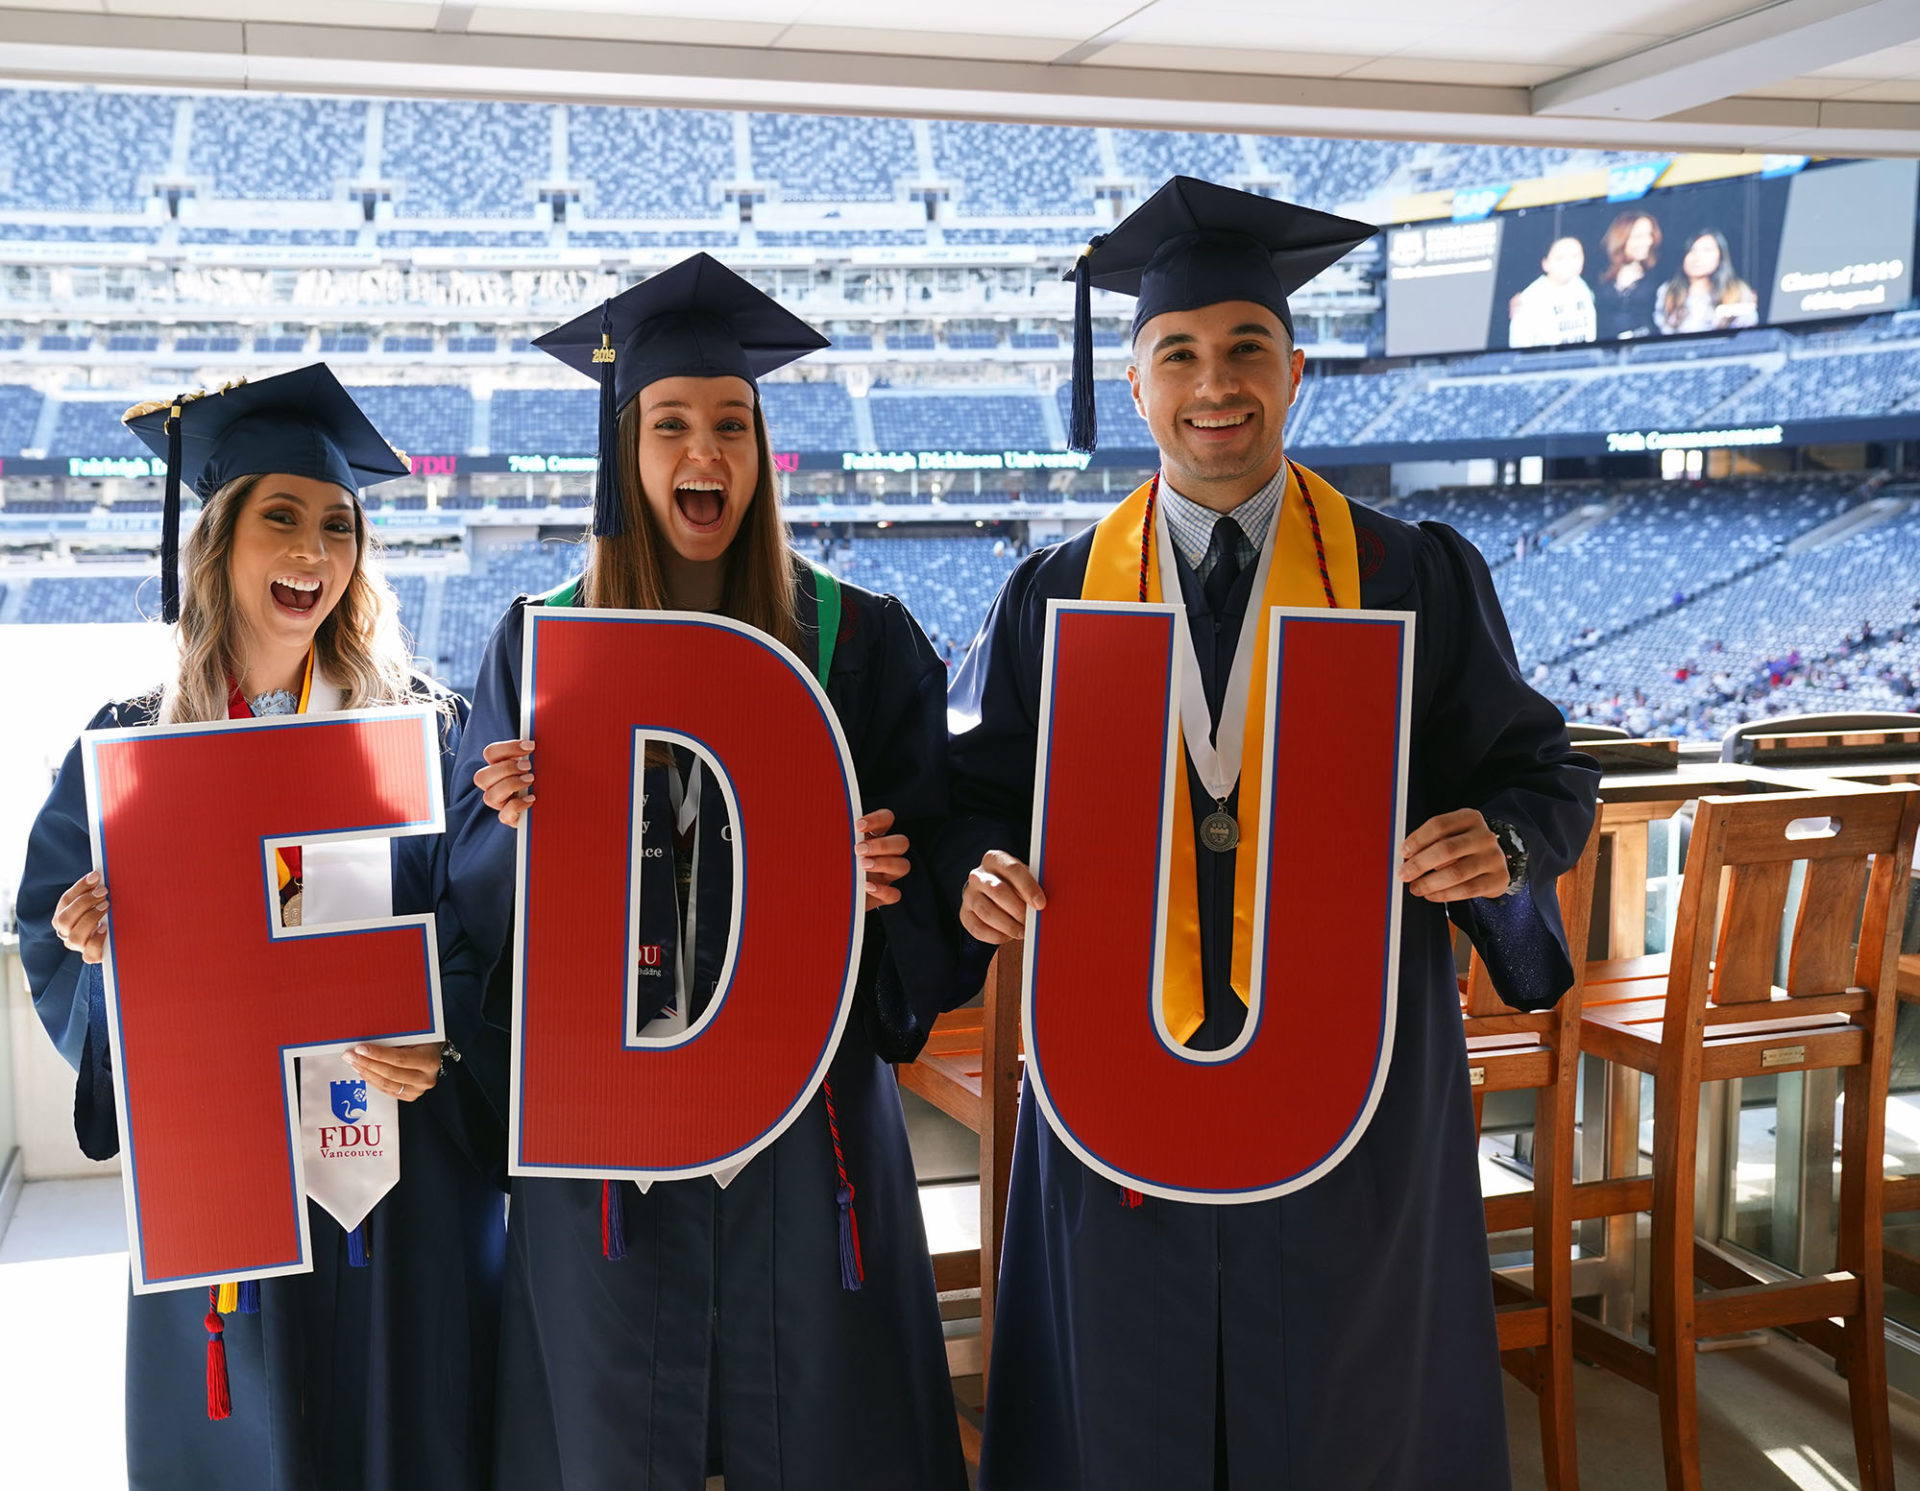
(42, 1110)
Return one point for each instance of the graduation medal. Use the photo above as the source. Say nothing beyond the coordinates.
(1310, 559)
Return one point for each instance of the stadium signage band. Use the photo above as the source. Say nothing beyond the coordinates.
(1632, 442)
(962, 460)
(120, 466)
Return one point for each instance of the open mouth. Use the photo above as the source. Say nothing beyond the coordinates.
(701, 504)
(295, 594)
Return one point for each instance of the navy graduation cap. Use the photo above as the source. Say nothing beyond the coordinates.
(1194, 244)
(698, 319)
(302, 423)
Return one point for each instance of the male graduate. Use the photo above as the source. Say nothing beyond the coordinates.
(1343, 1335)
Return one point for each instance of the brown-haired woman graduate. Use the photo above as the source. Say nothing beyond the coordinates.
(653, 1339)
(375, 1370)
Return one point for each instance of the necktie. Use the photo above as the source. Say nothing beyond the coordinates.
(1222, 564)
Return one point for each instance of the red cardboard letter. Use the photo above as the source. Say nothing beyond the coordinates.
(590, 1098)
(1285, 1102)
(209, 999)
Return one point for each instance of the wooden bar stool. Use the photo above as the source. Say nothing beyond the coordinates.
(1510, 1051)
(970, 1071)
(1715, 1014)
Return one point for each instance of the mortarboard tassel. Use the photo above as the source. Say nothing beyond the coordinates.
(249, 1297)
(226, 1297)
(170, 523)
(613, 1222)
(853, 1271)
(219, 1398)
(1130, 1198)
(357, 1247)
(1083, 429)
(606, 479)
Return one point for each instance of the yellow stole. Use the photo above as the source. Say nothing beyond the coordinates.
(1293, 579)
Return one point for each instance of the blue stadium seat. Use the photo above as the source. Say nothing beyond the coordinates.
(947, 421)
(83, 149)
(546, 421)
(277, 147)
(611, 150)
(464, 159)
(826, 158)
(19, 413)
(420, 418)
(92, 428)
(808, 416)
(1017, 170)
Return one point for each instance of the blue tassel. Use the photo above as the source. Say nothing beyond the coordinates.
(606, 480)
(170, 525)
(1083, 428)
(249, 1297)
(357, 1247)
(853, 1272)
(613, 1221)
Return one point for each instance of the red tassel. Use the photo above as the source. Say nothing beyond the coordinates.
(219, 1399)
(853, 1270)
(613, 1222)
(1130, 1198)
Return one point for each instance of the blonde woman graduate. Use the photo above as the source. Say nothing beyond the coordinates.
(651, 1340)
(375, 1371)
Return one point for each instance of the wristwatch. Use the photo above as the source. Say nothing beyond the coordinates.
(1515, 849)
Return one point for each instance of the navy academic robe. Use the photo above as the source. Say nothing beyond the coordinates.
(348, 1379)
(1343, 1336)
(724, 1340)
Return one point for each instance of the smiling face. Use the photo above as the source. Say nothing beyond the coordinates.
(1640, 241)
(1214, 385)
(1703, 257)
(1564, 261)
(295, 546)
(699, 461)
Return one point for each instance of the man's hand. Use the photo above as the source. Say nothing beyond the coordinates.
(993, 909)
(1454, 857)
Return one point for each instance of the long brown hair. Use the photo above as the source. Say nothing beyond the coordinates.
(625, 573)
(1614, 245)
(359, 647)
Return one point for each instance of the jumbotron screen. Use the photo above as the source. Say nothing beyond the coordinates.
(1827, 241)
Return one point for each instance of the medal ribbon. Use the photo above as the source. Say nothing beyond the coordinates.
(1310, 557)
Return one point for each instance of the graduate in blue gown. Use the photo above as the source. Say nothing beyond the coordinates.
(651, 1340)
(374, 1371)
(1341, 1336)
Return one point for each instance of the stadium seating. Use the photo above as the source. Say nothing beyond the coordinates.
(472, 605)
(825, 158)
(546, 421)
(648, 162)
(93, 428)
(277, 146)
(463, 159)
(1121, 427)
(420, 418)
(91, 598)
(1471, 411)
(947, 583)
(82, 149)
(808, 416)
(1337, 410)
(19, 413)
(1679, 398)
(1017, 170)
(1156, 154)
(948, 421)
(1834, 386)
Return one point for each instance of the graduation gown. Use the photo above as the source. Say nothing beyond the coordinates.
(723, 1340)
(377, 1378)
(1341, 1336)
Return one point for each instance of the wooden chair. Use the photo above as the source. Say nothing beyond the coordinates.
(970, 1071)
(1714, 1013)
(1902, 1193)
(1509, 1051)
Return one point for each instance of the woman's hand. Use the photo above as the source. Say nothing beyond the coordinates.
(403, 1072)
(1454, 857)
(80, 918)
(506, 781)
(883, 856)
(993, 908)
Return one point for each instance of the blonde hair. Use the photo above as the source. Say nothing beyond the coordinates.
(624, 572)
(360, 647)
